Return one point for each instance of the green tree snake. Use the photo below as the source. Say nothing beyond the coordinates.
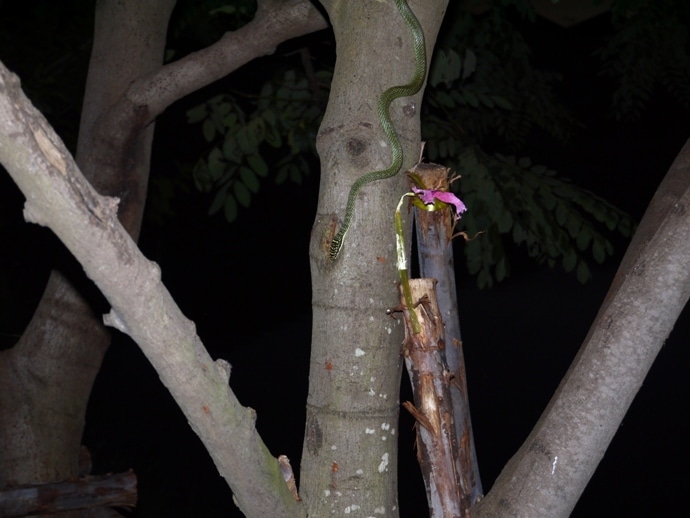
(383, 111)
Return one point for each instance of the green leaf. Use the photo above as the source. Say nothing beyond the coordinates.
(201, 176)
(230, 120)
(611, 220)
(583, 239)
(269, 116)
(574, 225)
(583, 274)
(196, 114)
(242, 194)
(231, 151)
(249, 179)
(257, 127)
(258, 164)
(246, 141)
(216, 165)
(272, 137)
(569, 261)
(469, 65)
(219, 199)
(625, 226)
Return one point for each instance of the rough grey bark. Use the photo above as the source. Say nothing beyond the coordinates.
(59, 197)
(349, 462)
(47, 377)
(547, 475)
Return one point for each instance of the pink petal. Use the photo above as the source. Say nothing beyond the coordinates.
(428, 196)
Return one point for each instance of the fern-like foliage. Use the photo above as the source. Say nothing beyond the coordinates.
(555, 221)
(250, 135)
(484, 87)
(650, 49)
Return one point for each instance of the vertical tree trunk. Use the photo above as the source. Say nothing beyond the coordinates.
(349, 461)
(46, 379)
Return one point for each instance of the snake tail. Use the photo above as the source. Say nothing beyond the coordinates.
(383, 112)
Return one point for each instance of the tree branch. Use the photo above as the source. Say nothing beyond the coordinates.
(58, 196)
(274, 23)
(547, 475)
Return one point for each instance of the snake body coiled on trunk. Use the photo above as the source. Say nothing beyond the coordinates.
(383, 111)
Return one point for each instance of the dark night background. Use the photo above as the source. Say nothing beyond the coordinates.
(247, 287)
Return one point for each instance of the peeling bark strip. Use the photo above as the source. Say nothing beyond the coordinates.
(437, 448)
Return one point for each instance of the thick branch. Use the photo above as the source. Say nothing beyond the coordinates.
(274, 23)
(59, 197)
(547, 475)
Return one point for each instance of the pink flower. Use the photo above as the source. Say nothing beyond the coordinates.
(429, 197)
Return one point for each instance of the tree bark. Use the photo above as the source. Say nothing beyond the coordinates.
(437, 444)
(59, 197)
(47, 377)
(349, 461)
(547, 475)
(434, 230)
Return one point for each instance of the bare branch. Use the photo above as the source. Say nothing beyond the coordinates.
(59, 197)
(547, 475)
(274, 23)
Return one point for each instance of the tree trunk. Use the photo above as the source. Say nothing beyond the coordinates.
(547, 475)
(349, 461)
(47, 377)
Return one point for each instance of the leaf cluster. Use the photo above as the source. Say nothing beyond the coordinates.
(257, 136)
(485, 89)
(487, 95)
(649, 50)
(555, 221)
